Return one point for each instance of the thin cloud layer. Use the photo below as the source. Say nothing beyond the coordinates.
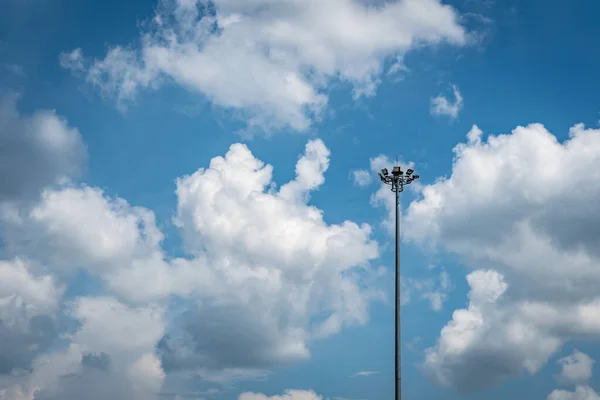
(508, 206)
(265, 60)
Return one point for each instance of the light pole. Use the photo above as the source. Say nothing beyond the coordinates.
(397, 181)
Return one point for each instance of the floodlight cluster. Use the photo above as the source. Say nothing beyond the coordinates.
(398, 178)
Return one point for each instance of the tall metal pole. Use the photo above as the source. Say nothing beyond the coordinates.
(397, 181)
(398, 387)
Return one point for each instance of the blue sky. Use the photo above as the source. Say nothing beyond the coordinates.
(126, 236)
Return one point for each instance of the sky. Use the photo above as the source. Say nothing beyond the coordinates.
(190, 206)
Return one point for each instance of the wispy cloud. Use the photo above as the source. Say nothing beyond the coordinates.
(441, 106)
(15, 69)
(364, 373)
(414, 345)
(435, 290)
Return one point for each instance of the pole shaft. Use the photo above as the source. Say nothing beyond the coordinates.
(398, 359)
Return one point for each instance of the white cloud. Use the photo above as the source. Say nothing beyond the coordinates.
(288, 395)
(109, 324)
(14, 69)
(118, 232)
(509, 206)
(580, 393)
(261, 249)
(361, 177)
(436, 299)
(364, 373)
(28, 304)
(14, 393)
(261, 260)
(38, 295)
(484, 342)
(35, 151)
(229, 375)
(73, 60)
(270, 61)
(433, 290)
(44, 243)
(146, 373)
(414, 345)
(119, 243)
(440, 105)
(309, 173)
(576, 368)
(123, 337)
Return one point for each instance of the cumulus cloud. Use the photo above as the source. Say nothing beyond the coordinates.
(440, 105)
(288, 395)
(268, 61)
(111, 355)
(263, 275)
(106, 357)
(35, 151)
(264, 249)
(53, 232)
(576, 367)
(580, 393)
(508, 207)
(28, 305)
(483, 343)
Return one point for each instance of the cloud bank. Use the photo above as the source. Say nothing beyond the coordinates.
(520, 210)
(267, 61)
(263, 274)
